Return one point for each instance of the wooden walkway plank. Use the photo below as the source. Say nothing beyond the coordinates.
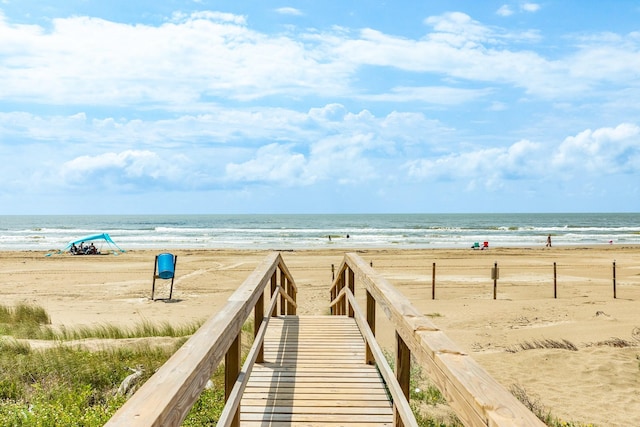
(314, 374)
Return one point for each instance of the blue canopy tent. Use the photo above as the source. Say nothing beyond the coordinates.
(103, 236)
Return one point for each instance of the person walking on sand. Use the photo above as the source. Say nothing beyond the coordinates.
(549, 241)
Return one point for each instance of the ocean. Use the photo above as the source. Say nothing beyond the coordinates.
(290, 232)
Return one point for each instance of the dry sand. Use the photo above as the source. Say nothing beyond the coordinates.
(599, 383)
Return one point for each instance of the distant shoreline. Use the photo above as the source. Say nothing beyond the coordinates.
(499, 249)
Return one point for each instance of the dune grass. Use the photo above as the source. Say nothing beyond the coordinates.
(26, 321)
(429, 407)
(535, 406)
(68, 385)
(24, 313)
(542, 344)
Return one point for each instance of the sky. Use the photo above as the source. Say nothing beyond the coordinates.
(300, 106)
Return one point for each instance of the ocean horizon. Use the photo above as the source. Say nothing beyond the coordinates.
(316, 231)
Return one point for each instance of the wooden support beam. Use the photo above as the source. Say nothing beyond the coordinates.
(403, 372)
(231, 371)
(352, 287)
(371, 321)
(258, 318)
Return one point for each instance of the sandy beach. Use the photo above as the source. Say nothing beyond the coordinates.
(596, 383)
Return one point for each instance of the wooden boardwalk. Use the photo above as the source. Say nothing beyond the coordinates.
(314, 375)
(313, 372)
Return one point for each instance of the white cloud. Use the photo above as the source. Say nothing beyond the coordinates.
(86, 60)
(438, 95)
(206, 99)
(602, 151)
(180, 17)
(131, 169)
(347, 156)
(289, 11)
(490, 166)
(605, 151)
(216, 56)
(530, 7)
(272, 163)
(459, 27)
(505, 10)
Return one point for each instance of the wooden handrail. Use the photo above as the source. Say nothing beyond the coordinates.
(477, 398)
(399, 400)
(166, 398)
(233, 402)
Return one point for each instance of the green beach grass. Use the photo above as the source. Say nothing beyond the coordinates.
(69, 385)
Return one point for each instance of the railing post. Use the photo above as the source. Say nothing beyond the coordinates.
(371, 320)
(343, 300)
(258, 318)
(339, 285)
(283, 300)
(352, 288)
(332, 293)
(274, 285)
(403, 372)
(231, 371)
(294, 294)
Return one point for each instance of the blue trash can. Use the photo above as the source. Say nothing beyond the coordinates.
(165, 266)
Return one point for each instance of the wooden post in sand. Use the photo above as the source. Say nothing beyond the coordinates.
(494, 276)
(433, 282)
(614, 279)
(555, 282)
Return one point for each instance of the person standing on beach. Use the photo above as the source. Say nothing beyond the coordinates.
(549, 241)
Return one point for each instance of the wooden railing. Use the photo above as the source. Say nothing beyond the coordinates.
(477, 398)
(166, 398)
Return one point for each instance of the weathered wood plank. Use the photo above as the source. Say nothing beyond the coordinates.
(314, 374)
(313, 410)
(310, 424)
(373, 420)
(293, 394)
(311, 400)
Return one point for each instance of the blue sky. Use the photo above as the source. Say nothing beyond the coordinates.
(262, 106)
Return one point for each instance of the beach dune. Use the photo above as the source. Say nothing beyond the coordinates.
(554, 328)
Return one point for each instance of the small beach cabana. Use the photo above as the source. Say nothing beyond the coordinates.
(103, 236)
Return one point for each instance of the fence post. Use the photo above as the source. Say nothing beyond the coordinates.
(555, 282)
(433, 281)
(614, 279)
(494, 276)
